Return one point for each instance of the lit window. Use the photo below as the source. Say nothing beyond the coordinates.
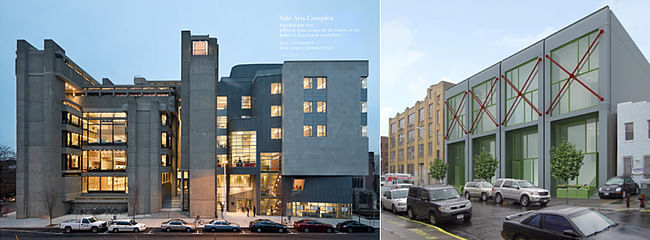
(243, 148)
(276, 133)
(276, 88)
(307, 131)
(222, 102)
(364, 130)
(321, 106)
(322, 130)
(222, 141)
(199, 47)
(276, 110)
(246, 102)
(163, 119)
(307, 106)
(222, 122)
(322, 83)
(306, 82)
(364, 82)
(298, 184)
(364, 107)
(222, 160)
(163, 139)
(163, 160)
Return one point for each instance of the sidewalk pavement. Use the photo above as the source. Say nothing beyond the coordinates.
(154, 220)
(604, 204)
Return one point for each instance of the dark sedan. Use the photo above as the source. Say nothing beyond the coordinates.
(353, 226)
(250, 224)
(567, 223)
(618, 187)
(268, 226)
(221, 225)
(314, 226)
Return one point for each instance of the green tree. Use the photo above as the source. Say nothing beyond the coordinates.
(485, 165)
(437, 169)
(566, 161)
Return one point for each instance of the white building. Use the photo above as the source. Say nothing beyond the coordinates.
(633, 138)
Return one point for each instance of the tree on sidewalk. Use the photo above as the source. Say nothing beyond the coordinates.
(48, 199)
(134, 199)
(485, 166)
(438, 169)
(566, 161)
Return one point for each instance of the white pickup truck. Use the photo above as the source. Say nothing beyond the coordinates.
(84, 224)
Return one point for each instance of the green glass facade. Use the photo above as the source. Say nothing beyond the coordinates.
(456, 164)
(522, 111)
(481, 91)
(522, 155)
(583, 133)
(485, 144)
(455, 131)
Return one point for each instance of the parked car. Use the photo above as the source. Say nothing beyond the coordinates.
(177, 225)
(314, 226)
(126, 226)
(618, 187)
(221, 225)
(83, 224)
(395, 200)
(520, 191)
(482, 190)
(567, 223)
(353, 226)
(267, 226)
(295, 224)
(439, 203)
(250, 224)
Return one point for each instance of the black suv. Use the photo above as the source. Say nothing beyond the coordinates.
(440, 203)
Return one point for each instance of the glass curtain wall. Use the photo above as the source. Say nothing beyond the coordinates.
(456, 131)
(522, 111)
(583, 133)
(456, 164)
(484, 144)
(483, 123)
(522, 155)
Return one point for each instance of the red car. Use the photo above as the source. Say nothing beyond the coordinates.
(314, 226)
(295, 224)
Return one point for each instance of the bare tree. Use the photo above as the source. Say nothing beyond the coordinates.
(133, 198)
(6, 153)
(48, 199)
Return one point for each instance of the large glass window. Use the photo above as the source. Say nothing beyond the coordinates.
(104, 184)
(71, 162)
(114, 160)
(485, 144)
(270, 184)
(522, 112)
(575, 96)
(454, 130)
(276, 110)
(105, 128)
(456, 164)
(270, 161)
(522, 155)
(276, 88)
(71, 139)
(243, 148)
(72, 119)
(583, 133)
(484, 123)
(276, 133)
(246, 102)
(222, 102)
(199, 48)
(119, 131)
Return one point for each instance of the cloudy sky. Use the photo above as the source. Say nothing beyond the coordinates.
(424, 42)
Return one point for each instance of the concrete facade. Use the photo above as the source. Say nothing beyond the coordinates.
(192, 144)
(426, 130)
(520, 138)
(633, 151)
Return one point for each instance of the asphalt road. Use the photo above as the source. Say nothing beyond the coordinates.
(6, 234)
(487, 218)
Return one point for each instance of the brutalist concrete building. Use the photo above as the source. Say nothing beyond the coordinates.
(284, 138)
(565, 87)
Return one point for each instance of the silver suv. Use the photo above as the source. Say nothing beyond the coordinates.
(482, 190)
(520, 191)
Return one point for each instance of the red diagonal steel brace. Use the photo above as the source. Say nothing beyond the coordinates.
(482, 104)
(520, 94)
(456, 115)
(571, 74)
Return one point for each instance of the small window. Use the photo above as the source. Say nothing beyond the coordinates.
(648, 128)
(322, 83)
(321, 106)
(276, 88)
(298, 184)
(276, 133)
(246, 102)
(629, 131)
(627, 166)
(199, 47)
(307, 131)
(306, 82)
(222, 122)
(222, 102)
(322, 130)
(364, 106)
(364, 130)
(276, 110)
(307, 107)
(364, 82)
(163, 119)
(163, 140)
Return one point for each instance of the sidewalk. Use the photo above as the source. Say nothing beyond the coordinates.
(604, 204)
(154, 220)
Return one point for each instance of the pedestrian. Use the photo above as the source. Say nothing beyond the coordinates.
(254, 211)
(221, 204)
(247, 212)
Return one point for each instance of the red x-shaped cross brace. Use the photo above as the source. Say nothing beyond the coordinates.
(482, 104)
(572, 74)
(520, 93)
(460, 104)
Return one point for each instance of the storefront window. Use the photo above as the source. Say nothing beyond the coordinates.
(319, 210)
(583, 133)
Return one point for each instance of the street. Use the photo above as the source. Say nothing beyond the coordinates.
(487, 218)
(159, 234)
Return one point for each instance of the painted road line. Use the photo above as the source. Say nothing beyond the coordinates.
(422, 233)
(645, 211)
(435, 227)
